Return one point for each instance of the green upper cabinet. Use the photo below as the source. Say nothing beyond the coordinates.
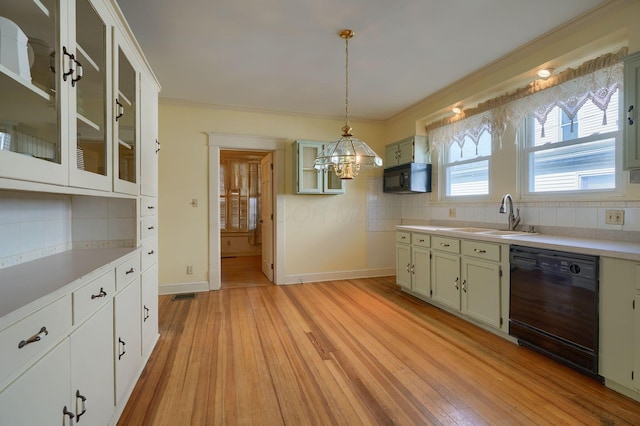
(308, 180)
(631, 116)
(410, 150)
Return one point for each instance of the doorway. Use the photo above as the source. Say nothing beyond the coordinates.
(277, 147)
(246, 232)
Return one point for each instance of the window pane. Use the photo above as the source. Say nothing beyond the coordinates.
(576, 167)
(469, 149)
(468, 179)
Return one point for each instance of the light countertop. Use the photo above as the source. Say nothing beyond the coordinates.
(607, 248)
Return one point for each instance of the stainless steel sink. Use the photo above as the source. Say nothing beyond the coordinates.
(492, 232)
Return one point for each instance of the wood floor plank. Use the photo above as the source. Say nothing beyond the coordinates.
(352, 352)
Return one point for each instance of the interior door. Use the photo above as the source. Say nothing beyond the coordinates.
(266, 218)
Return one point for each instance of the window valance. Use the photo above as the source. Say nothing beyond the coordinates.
(596, 80)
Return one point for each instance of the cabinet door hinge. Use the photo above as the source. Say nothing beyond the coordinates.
(430, 292)
(501, 322)
(272, 266)
(633, 304)
(271, 166)
(271, 216)
(501, 273)
(430, 256)
(631, 374)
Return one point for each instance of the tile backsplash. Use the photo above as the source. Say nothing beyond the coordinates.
(578, 219)
(35, 225)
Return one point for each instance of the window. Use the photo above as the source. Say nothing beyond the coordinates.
(572, 156)
(466, 166)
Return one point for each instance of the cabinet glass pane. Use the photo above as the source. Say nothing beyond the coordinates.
(90, 91)
(126, 119)
(333, 181)
(29, 97)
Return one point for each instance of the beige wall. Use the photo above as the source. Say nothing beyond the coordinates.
(324, 234)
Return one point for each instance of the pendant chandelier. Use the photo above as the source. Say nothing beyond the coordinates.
(349, 154)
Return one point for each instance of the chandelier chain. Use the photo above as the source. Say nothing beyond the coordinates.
(346, 84)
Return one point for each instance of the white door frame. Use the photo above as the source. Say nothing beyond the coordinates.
(226, 141)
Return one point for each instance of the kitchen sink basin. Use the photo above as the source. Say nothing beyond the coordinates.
(500, 233)
(472, 230)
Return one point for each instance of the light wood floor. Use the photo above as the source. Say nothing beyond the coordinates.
(355, 352)
(242, 271)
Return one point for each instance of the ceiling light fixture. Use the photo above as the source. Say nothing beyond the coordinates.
(347, 155)
(545, 72)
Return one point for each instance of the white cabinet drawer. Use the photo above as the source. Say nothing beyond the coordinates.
(22, 342)
(450, 245)
(127, 271)
(481, 250)
(149, 252)
(403, 237)
(88, 299)
(149, 226)
(421, 240)
(148, 206)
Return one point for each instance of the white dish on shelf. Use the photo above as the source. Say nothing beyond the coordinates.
(14, 53)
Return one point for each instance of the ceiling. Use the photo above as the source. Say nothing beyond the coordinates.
(286, 55)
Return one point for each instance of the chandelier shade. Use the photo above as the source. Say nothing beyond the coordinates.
(347, 155)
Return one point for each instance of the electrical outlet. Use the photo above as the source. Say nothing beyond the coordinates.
(614, 217)
(189, 269)
(452, 212)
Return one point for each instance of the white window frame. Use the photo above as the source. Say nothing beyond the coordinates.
(445, 165)
(523, 152)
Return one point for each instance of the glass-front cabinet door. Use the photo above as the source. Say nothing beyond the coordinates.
(89, 151)
(32, 91)
(126, 119)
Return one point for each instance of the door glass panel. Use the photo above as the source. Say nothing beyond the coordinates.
(90, 90)
(126, 119)
(28, 94)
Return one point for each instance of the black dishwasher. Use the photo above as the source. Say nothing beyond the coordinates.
(554, 305)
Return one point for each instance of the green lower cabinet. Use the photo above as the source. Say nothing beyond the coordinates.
(446, 279)
(481, 291)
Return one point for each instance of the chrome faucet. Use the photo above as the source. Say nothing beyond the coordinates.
(513, 220)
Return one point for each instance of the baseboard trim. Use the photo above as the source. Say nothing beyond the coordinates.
(196, 287)
(338, 275)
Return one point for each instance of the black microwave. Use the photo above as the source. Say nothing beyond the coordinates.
(408, 178)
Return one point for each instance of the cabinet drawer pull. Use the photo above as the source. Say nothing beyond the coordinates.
(157, 146)
(119, 109)
(130, 271)
(421, 241)
(122, 345)
(150, 207)
(35, 338)
(403, 237)
(629, 117)
(101, 294)
(78, 71)
(83, 405)
(479, 251)
(150, 252)
(464, 286)
(146, 314)
(67, 413)
(445, 245)
(150, 227)
(455, 283)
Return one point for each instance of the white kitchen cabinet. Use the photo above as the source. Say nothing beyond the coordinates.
(128, 340)
(42, 395)
(631, 108)
(481, 291)
(309, 180)
(446, 279)
(150, 145)
(413, 266)
(92, 374)
(619, 323)
(126, 130)
(90, 112)
(410, 150)
(149, 311)
(33, 105)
